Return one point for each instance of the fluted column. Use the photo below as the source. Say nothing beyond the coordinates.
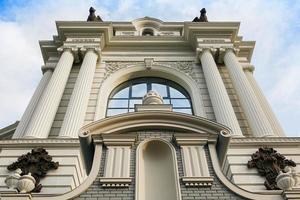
(43, 116)
(218, 95)
(277, 129)
(33, 103)
(76, 110)
(257, 120)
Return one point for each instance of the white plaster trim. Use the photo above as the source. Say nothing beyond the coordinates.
(83, 186)
(139, 158)
(138, 70)
(234, 188)
(115, 182)
(197, 181)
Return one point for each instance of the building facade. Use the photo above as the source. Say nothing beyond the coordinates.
(148, 110)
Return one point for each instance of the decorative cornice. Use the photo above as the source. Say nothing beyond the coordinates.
(269, 141)
(197, 181)
(118, 140)
(40, 142)
(115, 182)
(190, 139)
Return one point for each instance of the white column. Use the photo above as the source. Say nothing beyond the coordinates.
(277, 129)
(257, 120)
(218, 95)
(76, 110)
(43, 116)
(33, 103)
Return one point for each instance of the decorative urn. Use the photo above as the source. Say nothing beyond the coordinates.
(26, 183)
(285, 181)
(152, 97)
(12, 180)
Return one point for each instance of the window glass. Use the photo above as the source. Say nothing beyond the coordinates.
(175, 93)
(124, 93)
(160, 89)
(139, 90)
(132, 92)
(117, 103)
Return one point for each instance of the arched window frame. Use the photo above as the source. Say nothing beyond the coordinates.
(149, 81)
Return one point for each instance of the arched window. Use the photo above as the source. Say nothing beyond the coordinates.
(147, 32)
(126, 95)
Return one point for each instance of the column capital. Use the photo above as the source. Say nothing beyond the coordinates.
(94, 48)
(223, 50)
(248, 67)
(200, 50)
(72, 49)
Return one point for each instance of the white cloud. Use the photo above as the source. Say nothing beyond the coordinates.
(273, 24)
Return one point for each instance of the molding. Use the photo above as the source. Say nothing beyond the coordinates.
(190, 139)
(266, 141)
(118, 140)
(241, 192)
(115, 182)
(198, 181)
(16, 143)
(292, 194)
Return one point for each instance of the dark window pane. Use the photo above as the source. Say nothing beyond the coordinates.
(187, 111)
(139, 90)
(111, 112)
(180, 103)
(160, 89)
(114, 103)
(176, 94)
(124, 93)
(134, 101)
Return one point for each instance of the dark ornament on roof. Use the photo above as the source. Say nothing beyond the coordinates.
(269, 163)
(202, 18)
(37, 162)
(92, 17)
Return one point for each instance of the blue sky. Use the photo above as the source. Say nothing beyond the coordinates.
(273, 24)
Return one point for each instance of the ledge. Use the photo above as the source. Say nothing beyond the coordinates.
(39, 142)
(197, 181)
(263, 141)
(115, 182)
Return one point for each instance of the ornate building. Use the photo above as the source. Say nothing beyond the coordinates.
(148, 110)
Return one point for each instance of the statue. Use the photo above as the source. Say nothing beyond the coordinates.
(202, 18)
(92, 17)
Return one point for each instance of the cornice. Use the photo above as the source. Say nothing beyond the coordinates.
(16, 143)
(265, 141)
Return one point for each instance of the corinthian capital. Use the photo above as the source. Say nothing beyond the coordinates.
(73, 49)
(87, 48)
(200, 50)
(223, 50)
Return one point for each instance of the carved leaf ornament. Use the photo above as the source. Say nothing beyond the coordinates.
(269, 163)
(37, 162)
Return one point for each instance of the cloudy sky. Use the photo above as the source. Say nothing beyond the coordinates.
(273, 24)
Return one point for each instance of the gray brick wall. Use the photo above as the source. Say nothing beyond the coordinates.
(216, 191)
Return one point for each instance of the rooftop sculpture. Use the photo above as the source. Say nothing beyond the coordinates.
(202, 18)
(92, 17)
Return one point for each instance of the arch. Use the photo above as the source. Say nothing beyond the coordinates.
(138, 71)
(156, 158)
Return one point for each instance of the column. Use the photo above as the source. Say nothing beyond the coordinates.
(277, 129)
(76, 110)
(257, 120)
(33, 103)
(218, 95)
(43, 116)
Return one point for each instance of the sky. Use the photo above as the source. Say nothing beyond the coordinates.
(273, 24)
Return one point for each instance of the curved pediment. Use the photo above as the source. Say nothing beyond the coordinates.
(149, 120)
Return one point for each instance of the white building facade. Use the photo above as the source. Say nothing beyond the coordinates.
(149, 110)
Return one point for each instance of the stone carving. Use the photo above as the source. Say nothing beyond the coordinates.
(26, 183)
(269, 163)
(92, 17)
(12, 180)
(202, 18)
(288, 179)
(152, 97)
(37, 162)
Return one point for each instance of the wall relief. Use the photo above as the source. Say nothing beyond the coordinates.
(269, 163)
(37, 162)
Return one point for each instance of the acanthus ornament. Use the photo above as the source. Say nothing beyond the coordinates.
(269, 163)
(37, 163)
